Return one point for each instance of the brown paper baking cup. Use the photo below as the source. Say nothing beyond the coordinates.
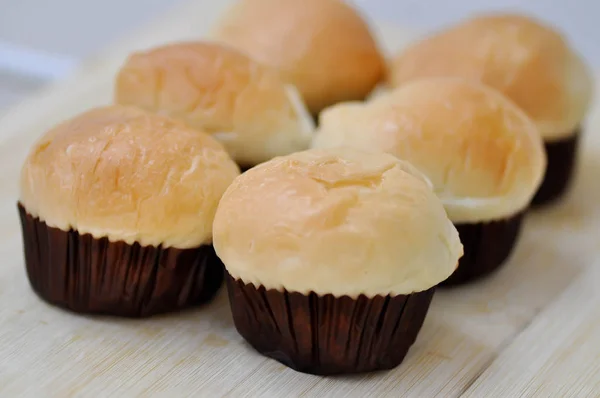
(89, 275)
(327, 335)
(486, 247)
(562, 157)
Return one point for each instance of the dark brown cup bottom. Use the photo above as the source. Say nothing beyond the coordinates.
(487, 245)
(95, 276)
(327, 335)
(562, 157)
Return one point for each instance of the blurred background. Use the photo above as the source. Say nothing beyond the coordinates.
(42, 40)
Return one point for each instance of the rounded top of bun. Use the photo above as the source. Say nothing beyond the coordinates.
(482, 153)
(222, 92)
(324, 47)
(336, 221)
(128, 175)
(526, 60)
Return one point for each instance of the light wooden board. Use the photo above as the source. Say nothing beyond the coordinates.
(500, 337)
(558, 354)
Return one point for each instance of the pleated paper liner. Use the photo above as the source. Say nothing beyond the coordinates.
(562, 157)
(89, 275)
(327, 335)
(487, 246)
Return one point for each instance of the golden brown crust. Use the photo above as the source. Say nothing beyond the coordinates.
(222, 92)
(483, 155)
(524, 59)
(324, 47)
(336, 221)
(129, 175)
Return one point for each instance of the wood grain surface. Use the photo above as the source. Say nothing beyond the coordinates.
(530, 330)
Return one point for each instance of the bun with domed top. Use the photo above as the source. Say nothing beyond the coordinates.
(348, 239)
(525, 59)
(222, 92)
(323, 47)
(482, 153)
(117, 206)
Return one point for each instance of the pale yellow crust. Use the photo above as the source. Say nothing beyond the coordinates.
(123, 173)
(324, 47)
(483, 154)
(222, 92)
(336, 221)
(524, 59)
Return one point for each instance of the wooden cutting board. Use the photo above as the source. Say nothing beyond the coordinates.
(533, 329)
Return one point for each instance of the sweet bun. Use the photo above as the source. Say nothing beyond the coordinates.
(483, 155)
(526, 60)
(222, 92)
(335, 221)
(122, 173)
(324, 47)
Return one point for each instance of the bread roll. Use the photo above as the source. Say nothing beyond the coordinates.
(122, 173)
(222, 92)
(336, 221)
(523, 58)
(324, 47)
(483, 154)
